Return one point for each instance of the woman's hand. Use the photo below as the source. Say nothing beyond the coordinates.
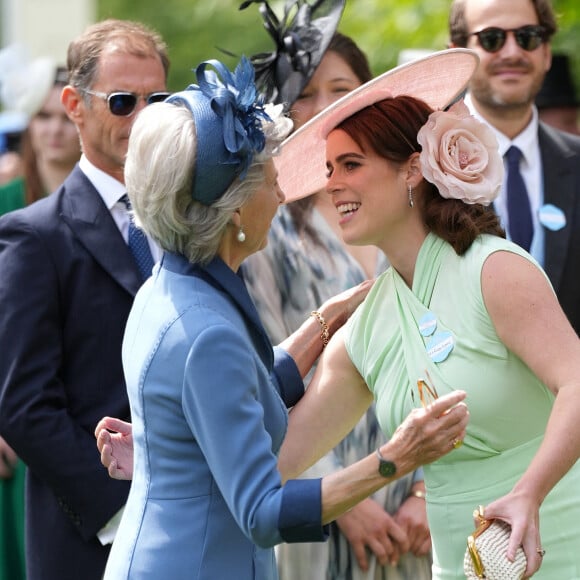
(307, 343)
(115, 442)
(337, 310)
(522, 514)
(428, 434)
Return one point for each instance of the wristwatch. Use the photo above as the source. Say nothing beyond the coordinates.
(387, 468)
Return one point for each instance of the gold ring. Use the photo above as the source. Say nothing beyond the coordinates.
(456, 443)
(541, 552)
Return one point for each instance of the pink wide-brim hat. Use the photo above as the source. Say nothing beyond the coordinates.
(438, 79)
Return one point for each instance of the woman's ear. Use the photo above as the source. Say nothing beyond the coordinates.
(237, 218)
(414, 173)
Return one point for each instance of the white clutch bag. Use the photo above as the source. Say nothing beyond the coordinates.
(485, 556)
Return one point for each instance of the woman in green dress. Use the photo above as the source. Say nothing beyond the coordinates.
(460, 308)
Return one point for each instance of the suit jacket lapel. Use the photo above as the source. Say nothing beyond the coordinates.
(87, 216)
(558, 162)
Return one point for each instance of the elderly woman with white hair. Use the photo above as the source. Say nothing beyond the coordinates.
(208, 394)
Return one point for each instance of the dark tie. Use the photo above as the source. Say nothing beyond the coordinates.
(520, 224)
(138, 244)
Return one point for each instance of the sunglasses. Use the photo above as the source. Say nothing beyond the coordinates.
(123, 104)
(427, 392)
(528, 37)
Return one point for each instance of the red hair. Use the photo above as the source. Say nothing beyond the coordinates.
(390, 129)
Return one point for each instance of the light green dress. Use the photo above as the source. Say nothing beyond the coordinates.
(441, 327)
(288, 280)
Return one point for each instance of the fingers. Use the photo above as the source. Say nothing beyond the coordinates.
(113, 424)
(424, 548)
(445, 403)
(534, 552)
(386, 551)
(107, 454)
(103, 438)
(360, 553)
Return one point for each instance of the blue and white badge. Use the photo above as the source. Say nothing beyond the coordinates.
(440, 345)
(552, 217)
(427, 324)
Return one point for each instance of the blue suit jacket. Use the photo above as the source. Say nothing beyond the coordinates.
(561, 163)
(67, 284)
(206, 500)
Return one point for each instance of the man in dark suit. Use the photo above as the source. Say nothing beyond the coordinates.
(68, 281)
(512, 40)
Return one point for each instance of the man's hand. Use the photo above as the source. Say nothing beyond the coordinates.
(368, 525)
(412, 517)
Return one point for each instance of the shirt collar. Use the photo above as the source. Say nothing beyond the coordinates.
(109, 188)
(526, 141)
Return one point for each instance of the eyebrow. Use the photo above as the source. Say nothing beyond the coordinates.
(343, 156)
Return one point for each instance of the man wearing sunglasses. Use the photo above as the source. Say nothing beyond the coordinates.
(512, 40)
(67, 285)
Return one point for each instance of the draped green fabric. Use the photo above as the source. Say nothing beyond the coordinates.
(509, 406)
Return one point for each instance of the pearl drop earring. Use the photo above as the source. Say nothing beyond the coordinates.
(241, 236)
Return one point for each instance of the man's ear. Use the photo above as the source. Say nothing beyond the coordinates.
(73, 103)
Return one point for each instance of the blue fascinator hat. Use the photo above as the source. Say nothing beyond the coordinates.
(227, 112)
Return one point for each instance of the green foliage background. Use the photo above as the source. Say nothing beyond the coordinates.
(196, 30)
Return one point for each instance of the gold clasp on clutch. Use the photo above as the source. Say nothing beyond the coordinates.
(477, 563)
(473, 552)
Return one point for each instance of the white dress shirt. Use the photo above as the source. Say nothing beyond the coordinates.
(111, 191)
(532, 173)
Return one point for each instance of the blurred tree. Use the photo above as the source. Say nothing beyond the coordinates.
(196, 30)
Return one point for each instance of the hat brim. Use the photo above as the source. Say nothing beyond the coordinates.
(438, 79)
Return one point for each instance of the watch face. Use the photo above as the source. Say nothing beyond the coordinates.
(387, 468)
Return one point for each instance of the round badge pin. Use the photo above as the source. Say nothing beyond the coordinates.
(440, 346)
(552, 217)
(427, 324)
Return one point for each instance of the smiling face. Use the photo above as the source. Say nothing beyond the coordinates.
(333, 79)
(369, 192)
(511, 77)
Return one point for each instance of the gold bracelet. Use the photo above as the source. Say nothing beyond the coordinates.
(324, 334)
(418, 493)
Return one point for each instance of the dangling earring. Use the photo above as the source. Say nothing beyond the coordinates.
(241, 236)
(410, 192)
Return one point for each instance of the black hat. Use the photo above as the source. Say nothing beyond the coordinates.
(558, 89)
(301, 38)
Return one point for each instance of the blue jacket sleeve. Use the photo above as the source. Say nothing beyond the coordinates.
(239, 422)
(287, 378)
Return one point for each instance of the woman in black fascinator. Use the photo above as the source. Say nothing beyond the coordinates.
(306, 261)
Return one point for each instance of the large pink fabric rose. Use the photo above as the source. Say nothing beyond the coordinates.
(460, 156)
